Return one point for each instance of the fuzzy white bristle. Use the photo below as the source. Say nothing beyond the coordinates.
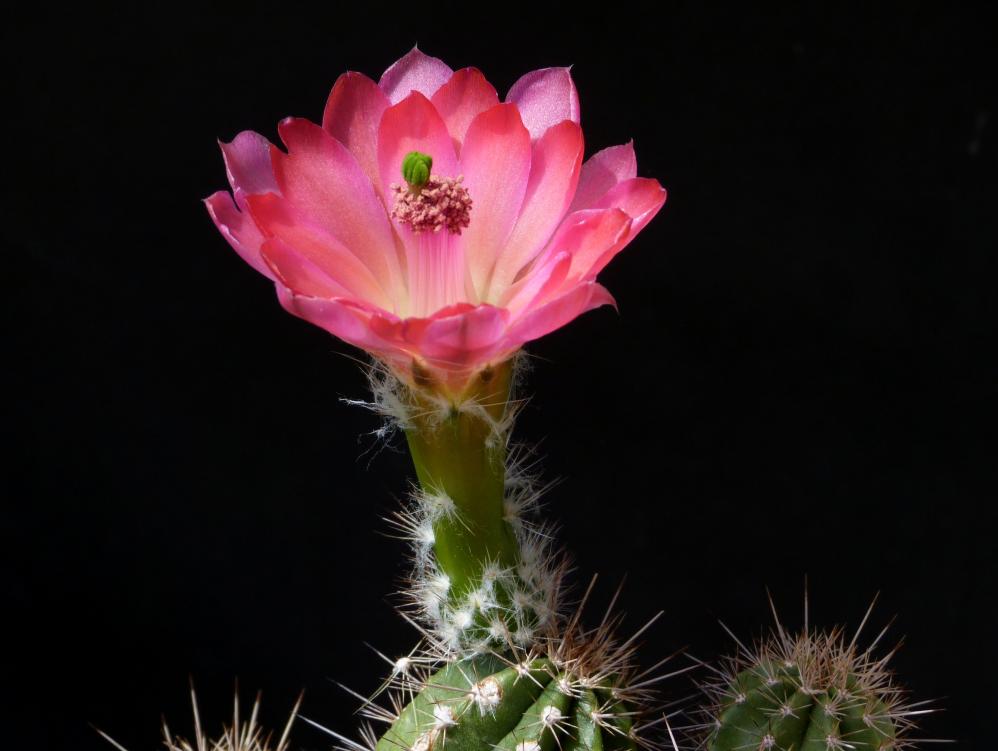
(402, 666)
(481, 600)
(462, 619)
(443, 717)
(487, 695)
(551, 716)
(437, 505)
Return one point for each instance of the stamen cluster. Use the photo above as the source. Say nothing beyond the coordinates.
(441, 203)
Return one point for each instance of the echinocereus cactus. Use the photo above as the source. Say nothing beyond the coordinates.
(810, 691)
(440, 229)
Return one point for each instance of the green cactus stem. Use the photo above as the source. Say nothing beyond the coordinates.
(484, 576)
(461, 456)
(487, 702)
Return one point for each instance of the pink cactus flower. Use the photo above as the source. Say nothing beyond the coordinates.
(493, 236)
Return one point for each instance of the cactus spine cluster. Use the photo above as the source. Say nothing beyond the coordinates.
(488, 702)
(812, 691)
(241, 735)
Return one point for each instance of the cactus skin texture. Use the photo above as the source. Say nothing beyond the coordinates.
(488, 702)
(772, 709)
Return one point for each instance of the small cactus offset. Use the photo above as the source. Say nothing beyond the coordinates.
(812, 691)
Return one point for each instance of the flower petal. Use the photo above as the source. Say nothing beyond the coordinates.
(324, 182)
(349, 320)
(556, 313)
(584, 239)
(602, 171)
(538, 285)
(545, 97)
(278, 219)
(352, 114)
(495, 161)
(464, 96)
(296, 272)
(554, 173)
(413, 125)
(414, 71)
(238, 228)
(247, 163)
(589, 236)
(460, 339)
(640, 197)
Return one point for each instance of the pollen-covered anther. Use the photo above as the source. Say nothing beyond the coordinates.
(441, 203)
(487, 694)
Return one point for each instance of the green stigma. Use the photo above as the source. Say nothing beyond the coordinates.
(416, 169)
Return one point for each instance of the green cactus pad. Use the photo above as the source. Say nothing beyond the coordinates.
(486, 702)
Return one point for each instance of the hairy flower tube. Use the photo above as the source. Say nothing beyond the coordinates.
(430, 224)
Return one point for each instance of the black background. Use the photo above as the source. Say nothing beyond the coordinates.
(795, 385)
